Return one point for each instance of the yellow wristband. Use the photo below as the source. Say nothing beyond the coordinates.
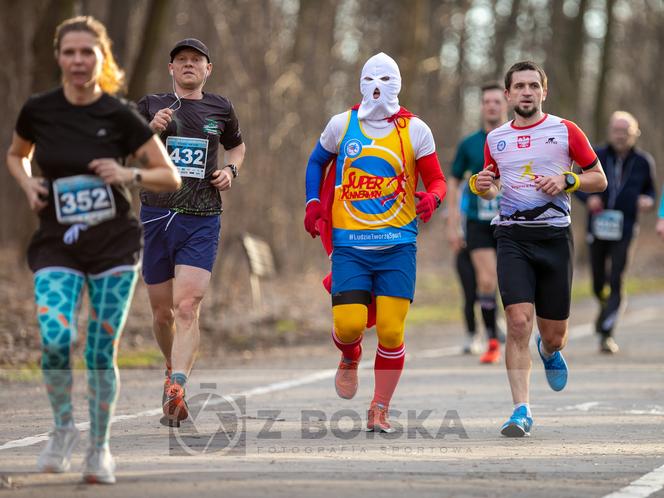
(577, 182)
(473, 188)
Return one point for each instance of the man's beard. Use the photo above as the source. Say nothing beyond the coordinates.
(525, 114)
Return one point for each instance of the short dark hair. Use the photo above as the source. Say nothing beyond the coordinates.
(492, 85)
(525, 66)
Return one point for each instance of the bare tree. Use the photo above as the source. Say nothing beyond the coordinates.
(117, 28)
(600, 113)
(505, 30)
(568, 38)
(45, 69)
(156, 22)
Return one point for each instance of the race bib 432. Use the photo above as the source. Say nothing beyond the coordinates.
(189, 155)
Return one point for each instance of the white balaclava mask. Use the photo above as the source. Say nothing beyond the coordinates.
(380, 73)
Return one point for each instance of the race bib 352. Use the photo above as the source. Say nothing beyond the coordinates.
(83, 199)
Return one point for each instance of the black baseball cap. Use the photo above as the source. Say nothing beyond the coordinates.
(197, 45)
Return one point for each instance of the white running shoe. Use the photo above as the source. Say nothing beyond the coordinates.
(99, 467)
(56, 457)
(472, 344)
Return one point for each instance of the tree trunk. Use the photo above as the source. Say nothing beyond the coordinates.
(505, 29)
(599, 116)
(120, 10)
(156, 21)
(460, 77)
(567, 40)
(45, 68)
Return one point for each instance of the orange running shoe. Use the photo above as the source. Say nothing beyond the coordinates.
(175, 408)
(345, 382)
(377, 418)
(492, 354)
(167, 384)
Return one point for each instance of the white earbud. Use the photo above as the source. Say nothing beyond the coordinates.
(170, 72)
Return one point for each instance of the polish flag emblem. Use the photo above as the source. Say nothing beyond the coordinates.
(523, 141)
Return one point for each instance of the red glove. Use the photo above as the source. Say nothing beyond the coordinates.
(427, 204)
(314, 212)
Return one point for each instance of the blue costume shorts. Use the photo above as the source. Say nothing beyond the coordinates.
(385, 272)
(172, 238)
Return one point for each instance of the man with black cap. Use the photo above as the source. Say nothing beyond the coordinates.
(182, 228)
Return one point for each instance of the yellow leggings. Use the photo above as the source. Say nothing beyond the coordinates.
(350, 320)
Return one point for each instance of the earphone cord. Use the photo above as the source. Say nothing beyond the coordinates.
(178, 99)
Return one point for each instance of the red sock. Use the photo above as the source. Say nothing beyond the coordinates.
(387, 370)
(350, 350)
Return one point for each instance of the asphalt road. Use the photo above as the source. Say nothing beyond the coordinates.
(273, 426)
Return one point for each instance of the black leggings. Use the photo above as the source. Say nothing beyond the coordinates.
(466, 272)
(611, 254)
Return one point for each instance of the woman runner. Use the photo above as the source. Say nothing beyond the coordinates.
(87, 235)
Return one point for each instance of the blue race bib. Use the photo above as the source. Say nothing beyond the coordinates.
(189, 155)
(83, 199)
(487, 209)
(608, 225)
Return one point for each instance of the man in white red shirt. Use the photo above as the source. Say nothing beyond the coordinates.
(530, 159)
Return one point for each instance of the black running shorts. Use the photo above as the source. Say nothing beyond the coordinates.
(479, 235)
(99, 248)
(535, 266)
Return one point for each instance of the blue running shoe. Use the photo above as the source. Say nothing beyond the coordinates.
(518, 425)
(555, 368)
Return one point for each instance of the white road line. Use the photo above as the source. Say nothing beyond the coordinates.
(257, 391)
(582, 407)
(643, 486)
(576, 332)
(657, 410)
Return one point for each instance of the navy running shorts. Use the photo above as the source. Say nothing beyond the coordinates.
(172, 238)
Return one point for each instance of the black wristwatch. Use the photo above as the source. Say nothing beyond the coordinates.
(233, 169)
(570, 182)
(438, 201)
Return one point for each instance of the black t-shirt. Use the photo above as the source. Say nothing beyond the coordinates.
(192, 140)
(67, 137)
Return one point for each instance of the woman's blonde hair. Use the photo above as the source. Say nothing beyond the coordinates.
(112, 78)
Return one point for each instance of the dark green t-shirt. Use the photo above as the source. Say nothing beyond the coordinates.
(469, 159)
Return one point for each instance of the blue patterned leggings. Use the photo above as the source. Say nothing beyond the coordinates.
(58, 293)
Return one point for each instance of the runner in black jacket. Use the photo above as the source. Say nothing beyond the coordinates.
(613, 216)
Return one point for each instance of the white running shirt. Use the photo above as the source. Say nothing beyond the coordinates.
(519, 155)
